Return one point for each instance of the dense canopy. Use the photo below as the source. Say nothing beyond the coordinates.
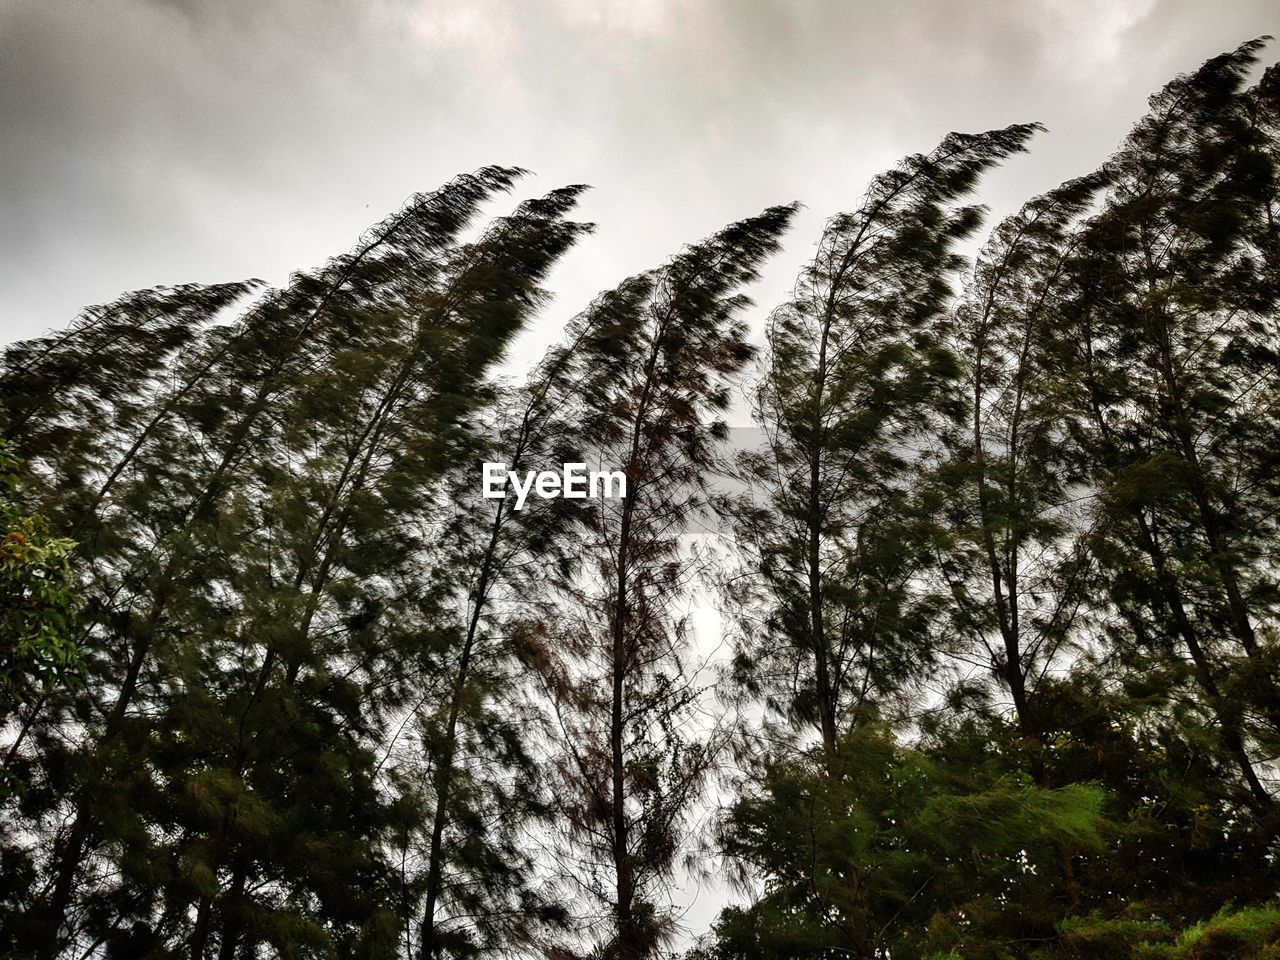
(999, 584)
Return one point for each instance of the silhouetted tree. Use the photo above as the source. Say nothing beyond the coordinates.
(856, 381)
(631, 765)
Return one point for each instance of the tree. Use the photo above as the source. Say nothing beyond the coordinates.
(178, 519)
(615, 659)
(1167, 356)
(878, 852)
(857, 378)
(373, 433)
(480, 884)
(1105, 531)
(37, 600)
(1015, 570)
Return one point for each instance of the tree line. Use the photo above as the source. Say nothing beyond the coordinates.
(1001, 593)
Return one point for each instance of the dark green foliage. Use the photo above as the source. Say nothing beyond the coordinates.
(885, 852)
(1103, 524)
(857, 375)
(256, 612)
(37, 601)
(1251, 933)
(279, 681)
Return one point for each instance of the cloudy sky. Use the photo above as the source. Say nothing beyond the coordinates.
(152, 142)
(163, 141)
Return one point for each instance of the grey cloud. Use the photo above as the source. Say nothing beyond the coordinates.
(161, 141)
(165, 141)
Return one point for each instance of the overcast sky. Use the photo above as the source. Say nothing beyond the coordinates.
(152, 142)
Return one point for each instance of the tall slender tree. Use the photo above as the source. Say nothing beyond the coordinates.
(480, 887)
(1017, 504)
(1168, 347)
(373, 435)
(857, 378)
(631, 765)
(216, 431)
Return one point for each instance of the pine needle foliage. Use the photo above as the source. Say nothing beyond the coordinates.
(278, 679)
